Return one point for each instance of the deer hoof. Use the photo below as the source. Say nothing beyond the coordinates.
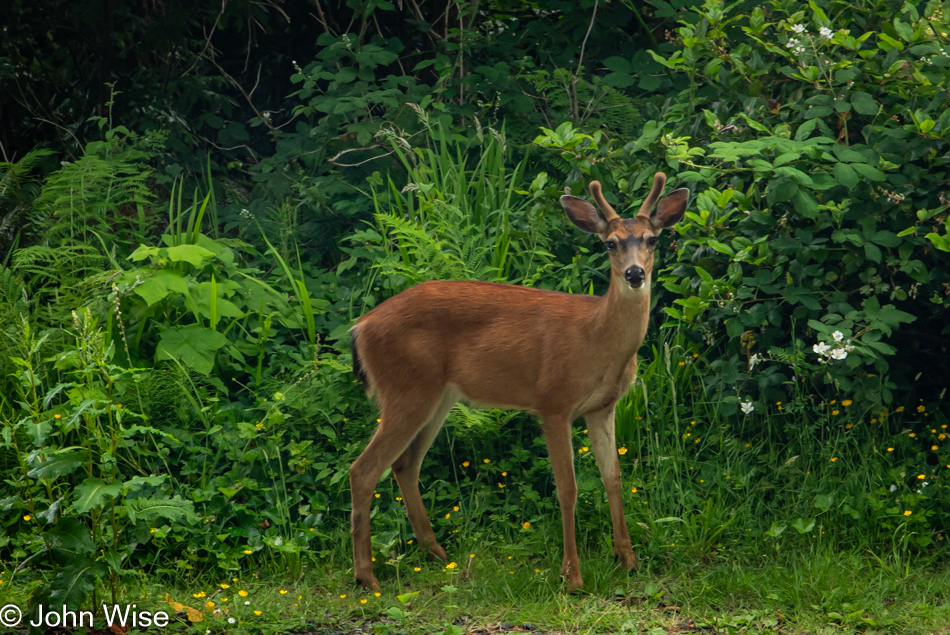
(573, 578)
(627, 560)
(368, 582)
(438, 552)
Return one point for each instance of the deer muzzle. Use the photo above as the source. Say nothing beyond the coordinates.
(635, 276)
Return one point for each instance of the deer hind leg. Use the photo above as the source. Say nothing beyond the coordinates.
(602, 430)
(406, 470)
(401, 420)
(557, 433)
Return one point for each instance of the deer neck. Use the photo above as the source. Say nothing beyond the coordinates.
(623, 315)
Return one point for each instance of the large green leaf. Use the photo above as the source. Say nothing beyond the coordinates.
(192, 345)
(863, 103)
(70, 535)
(168, 508)
(74, 582)
(192, 254)
(93, 493)
(160, 285)
(57, 465)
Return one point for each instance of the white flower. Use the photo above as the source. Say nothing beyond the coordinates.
(231, 620)
(791, 42)
(747, 407)
(799, 49)
(838, 335)
(798, 28)
(893, 488)
(247, 603)
(826, 33)
(821, 348)
(755, 359)
(839, 353)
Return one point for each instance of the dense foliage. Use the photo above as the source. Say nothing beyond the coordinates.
(178, 272)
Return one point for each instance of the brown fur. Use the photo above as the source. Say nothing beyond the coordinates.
(558, 355)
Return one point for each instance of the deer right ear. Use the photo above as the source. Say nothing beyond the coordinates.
(584, 215)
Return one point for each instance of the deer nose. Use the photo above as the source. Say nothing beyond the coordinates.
(634, 274)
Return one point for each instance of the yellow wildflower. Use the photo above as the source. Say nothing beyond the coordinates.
(224, 586)
(451, 565)
(198, 595)
(899, 409)
(417, 569)
(362, 600)
(621, 451)
(486, 461)
(908, 513)
(465, 464)
(526, 525)
(833, 459)
(27, 518)
(242, 593)
(921, 408)
(282, 592)
(257, 613)
(846, 403)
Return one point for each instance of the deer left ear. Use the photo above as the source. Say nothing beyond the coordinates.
(670, 209)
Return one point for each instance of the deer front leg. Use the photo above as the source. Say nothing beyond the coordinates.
(602, 431)
(557, 432)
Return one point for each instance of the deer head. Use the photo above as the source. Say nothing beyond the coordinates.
(629, 242)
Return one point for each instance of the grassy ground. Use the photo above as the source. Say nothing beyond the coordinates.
(809, 591)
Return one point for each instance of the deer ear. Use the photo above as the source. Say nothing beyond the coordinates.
(584, 215)
(670, 209)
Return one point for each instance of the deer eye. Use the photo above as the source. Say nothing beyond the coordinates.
(610, 245)
(651, 240)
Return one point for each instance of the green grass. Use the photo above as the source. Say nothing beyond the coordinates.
(817, 590)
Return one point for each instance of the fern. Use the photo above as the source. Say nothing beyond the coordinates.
(93, 194)
(17, 189)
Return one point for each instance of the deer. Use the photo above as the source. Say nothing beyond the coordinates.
(557, 355)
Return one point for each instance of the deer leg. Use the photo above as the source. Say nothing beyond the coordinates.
(602, 431)
(400, 422)
(406, 470)
(557, 432)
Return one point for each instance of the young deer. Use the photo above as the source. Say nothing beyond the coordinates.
(557, 355)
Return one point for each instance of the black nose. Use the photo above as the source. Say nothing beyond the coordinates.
(634, 274)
